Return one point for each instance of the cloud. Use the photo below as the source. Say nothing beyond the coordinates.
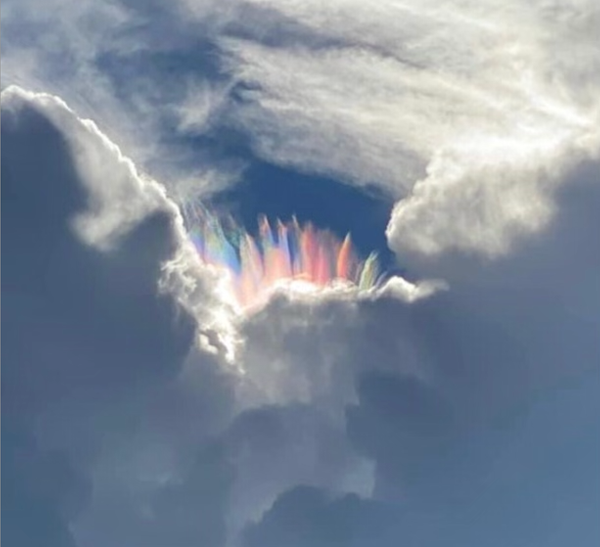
(467, 184)
(308, 347)
(102, 276)
(130, 66)
(130, 379)
(308, 516)
(40, 488)
(441, 393)
(303, 446)
(441, 105)
(89, 340)
(400, 422)
(143, 411)
(434, 103)
(505, 485)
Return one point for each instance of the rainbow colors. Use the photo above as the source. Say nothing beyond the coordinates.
(283, 251)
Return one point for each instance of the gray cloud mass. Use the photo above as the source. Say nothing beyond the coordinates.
(458, 406)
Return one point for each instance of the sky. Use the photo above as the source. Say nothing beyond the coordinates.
(192, 352)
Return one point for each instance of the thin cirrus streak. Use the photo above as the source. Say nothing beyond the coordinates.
(279, 252)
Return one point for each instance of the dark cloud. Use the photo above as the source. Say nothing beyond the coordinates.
(194, 512)
(509, 325)
(278, 446)
(76, 316)
(306, 516)
(402, 424)
(83, 331)
(189, 510)
(40, 491)
(528, 479)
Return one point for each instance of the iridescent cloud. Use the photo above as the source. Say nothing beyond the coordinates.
(279, 251)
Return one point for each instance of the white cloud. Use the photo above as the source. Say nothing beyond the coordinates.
(444, 103)
(484, 197)
(97, 57)
(118, 199)
(52, 47)
(485, 101)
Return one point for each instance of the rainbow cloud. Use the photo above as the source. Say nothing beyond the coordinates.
(279, 252)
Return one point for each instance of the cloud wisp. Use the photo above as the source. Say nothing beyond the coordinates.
(442, 105)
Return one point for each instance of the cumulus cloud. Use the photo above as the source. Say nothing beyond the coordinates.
(112, 208)
(141, 409)
(90, 340)
(130, 379)
(505, 485)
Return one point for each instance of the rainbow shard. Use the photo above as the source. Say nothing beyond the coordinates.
(279, 252)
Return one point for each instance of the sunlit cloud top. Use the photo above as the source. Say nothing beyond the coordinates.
(279, 252)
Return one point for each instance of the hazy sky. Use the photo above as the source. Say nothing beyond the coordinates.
(164, 384)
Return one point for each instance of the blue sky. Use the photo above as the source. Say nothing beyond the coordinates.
(456, 403)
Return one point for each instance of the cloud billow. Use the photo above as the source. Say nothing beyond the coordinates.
(385, 418)
(85, 331)
(141, 408)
